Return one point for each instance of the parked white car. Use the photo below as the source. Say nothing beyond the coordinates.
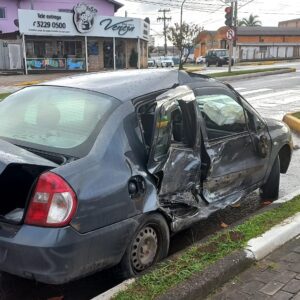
(200, 60)
(164, 62)
(151, 63)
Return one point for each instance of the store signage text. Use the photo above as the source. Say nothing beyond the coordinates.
(121, 27)
(43, 23)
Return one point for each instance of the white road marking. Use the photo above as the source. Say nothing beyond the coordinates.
(294, 77)
(277, 102)
(272, 95)
(255, 91)
(240, 89)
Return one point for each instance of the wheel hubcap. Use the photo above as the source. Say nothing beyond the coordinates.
(144, 249)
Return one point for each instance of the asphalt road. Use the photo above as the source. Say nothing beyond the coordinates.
(272, 96)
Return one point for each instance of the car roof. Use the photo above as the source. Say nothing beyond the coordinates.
(127, 85)
(218, 49)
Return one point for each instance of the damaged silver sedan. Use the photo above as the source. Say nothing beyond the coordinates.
(99, 170)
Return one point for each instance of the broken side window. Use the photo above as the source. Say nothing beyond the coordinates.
(222, 114)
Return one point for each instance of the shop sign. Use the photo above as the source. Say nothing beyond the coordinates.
(83, 17)
(84, 22)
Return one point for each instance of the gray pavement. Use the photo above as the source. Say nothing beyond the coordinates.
(274, 96)
(275, 277)
(12, 83)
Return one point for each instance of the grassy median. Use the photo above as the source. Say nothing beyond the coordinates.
(296, 115)
(2, 96)
(244, 72)
(196, 258)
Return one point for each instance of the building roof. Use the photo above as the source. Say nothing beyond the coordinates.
(116, 4)
(126, 85)
(292, 20)
(273, 31)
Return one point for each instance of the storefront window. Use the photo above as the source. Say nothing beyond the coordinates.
(120, 54)
(108, 55)
(39, 49)
(59, 49)
(93, 48)
(73, 48)
(2, 13)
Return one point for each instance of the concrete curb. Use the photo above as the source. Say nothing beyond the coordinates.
(292, 122)
(115, 290)
(200, 285)
(263, 245)
(253, 75)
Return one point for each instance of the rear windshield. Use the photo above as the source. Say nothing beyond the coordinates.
(55, 119)
(222, 53)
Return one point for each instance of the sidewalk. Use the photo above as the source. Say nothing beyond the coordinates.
(11, 83)
(275, 277)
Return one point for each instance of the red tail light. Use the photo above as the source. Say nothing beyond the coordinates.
(53, 203)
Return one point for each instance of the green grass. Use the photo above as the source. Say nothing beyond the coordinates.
(195, 259)
(297, 115)
(2, 96)
(243, 72)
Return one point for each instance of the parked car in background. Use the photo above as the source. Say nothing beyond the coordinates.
(166, 62)
(151, 63)
(200, 60)
(218, 57)
(99, 170)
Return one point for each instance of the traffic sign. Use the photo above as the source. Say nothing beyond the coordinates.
(230, 34)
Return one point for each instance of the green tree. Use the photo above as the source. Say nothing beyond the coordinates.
(183, 38)
(251, 21)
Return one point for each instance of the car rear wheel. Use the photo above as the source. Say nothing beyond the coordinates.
(149, 245)
(270, 190)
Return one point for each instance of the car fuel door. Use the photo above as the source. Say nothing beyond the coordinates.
(174, 156)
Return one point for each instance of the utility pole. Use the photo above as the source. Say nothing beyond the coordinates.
(164, 19)
(231, 42)
(235, 24)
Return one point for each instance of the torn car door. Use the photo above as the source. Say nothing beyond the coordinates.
(174, 156)
(234, 166)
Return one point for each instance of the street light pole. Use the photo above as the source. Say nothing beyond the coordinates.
(181, 38)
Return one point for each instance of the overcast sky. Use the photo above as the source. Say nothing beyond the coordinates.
(210, 13)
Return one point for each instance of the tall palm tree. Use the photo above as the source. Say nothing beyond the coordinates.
(252, 21)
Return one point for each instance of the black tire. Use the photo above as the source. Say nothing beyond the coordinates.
(207, 64)
(270, 190)
(128, 267)
(219, 64)
(232, 62)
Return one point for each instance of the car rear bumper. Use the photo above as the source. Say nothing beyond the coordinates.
(59, 255)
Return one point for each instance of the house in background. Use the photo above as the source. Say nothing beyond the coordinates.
(290, 23)
(66, 35)
(254, 43)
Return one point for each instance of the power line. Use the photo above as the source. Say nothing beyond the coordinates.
(176, 4)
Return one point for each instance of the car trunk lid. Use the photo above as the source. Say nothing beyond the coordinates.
(19, 170)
